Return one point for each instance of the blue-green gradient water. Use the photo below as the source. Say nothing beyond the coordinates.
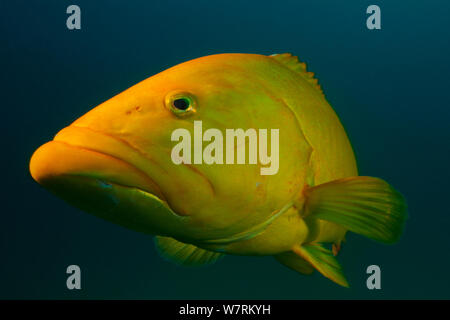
(390, 88)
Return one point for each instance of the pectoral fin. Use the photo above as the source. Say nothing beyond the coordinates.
(184, 253)
(364, 205)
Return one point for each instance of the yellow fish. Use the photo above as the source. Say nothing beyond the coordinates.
(117, 162)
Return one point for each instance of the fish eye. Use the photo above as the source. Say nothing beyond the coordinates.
(180, 104)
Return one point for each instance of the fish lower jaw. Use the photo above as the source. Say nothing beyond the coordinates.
(128, 206)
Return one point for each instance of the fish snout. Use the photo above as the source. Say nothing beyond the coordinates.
(84, 169)
(79, 152)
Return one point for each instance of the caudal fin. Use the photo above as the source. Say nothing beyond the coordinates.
(364, 205)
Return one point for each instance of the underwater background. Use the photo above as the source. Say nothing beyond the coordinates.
(390, 88)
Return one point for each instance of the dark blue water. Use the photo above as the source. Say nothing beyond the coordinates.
(390, 88)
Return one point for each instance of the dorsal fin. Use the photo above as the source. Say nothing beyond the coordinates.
(184, 253)
(292, 63)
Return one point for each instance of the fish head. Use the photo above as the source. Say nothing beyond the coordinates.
(116, 161)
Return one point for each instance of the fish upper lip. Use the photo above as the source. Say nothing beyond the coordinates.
(156, 193)
(88, 134)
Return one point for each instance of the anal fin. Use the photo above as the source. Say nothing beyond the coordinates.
(184, 253)
(336, 248)
(294, 262)
(323, 260)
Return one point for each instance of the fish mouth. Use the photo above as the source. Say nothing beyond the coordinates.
(85, 169)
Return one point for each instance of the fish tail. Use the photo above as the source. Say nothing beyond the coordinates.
(364, 205)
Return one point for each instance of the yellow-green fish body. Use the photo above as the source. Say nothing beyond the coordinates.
(116, 162)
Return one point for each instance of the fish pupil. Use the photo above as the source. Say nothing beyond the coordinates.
(181, 104)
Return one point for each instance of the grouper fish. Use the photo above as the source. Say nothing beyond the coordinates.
(116, 163)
